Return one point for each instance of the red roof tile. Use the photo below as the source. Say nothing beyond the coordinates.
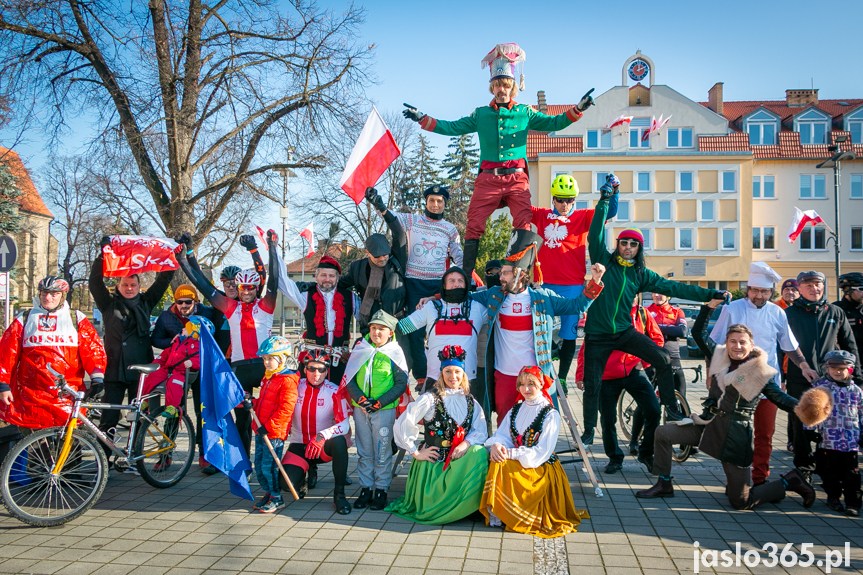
(542, 143)
(30, 199)
(735, 111)
(734, 142)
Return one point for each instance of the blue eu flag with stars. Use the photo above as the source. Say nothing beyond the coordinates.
(220, 393)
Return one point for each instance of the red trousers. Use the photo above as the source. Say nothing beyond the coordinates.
(764, 426)
(491, 192)
(505, 394)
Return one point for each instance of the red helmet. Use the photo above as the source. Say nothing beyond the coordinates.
(53, 284)
(317, 355)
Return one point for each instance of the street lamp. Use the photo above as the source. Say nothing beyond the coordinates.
(834, 162)
(283, 213)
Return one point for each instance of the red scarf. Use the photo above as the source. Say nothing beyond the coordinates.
(321, 315)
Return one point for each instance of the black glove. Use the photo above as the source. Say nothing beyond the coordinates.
(607, 191)
(248, 241)
(262, 431)
(105, 241)
(185, 238)
(721, 294)
(97, 385)
(247, 403)
(272, 238)
(365, 402)
(585, 102)
(373, 406)
(413, 114)
(375, 199)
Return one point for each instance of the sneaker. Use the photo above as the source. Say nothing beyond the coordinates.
(364, 499)
(273, 505)
(613, 467)
(379, 501)
(587, 437)
(163, 464)
(633, 448)
(836, 505)
(852, 512)
(169, 412)
(262, 501)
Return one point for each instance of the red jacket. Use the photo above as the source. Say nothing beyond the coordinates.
(621, 364)
(47, 338)
(276, 402)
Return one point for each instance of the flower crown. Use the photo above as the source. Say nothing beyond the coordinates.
(452, 352)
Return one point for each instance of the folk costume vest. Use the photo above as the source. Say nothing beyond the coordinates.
(530, 436)
(440, 430)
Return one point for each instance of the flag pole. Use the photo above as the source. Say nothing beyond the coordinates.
(276, 458)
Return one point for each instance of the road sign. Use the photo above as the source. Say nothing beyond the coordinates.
(8, 253)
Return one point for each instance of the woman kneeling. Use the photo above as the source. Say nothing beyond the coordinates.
(527, 489)
(447, 475)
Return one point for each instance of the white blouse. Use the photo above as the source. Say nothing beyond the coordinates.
(407, 428)
(529, 457)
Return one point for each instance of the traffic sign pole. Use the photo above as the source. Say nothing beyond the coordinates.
(8, 257)
(6, 319)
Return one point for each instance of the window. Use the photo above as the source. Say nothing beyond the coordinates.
(761, 127)
(729, 181)
(813, 187)
(764, 238)
(637, 129)
(623, 211)
(706, 210)
(684, 239)
(854, 124)
(813, 239)
(663, 211)
(582, 204)
(642, 182)
(599, 139)
(813, 127)
(646, 233)
(729, 239)
(763, 187)
(857, 186)
(680, 137)
(856, 238)
(600, 179)
(685, 182)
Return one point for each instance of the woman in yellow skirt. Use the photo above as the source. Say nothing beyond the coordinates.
(526, 489)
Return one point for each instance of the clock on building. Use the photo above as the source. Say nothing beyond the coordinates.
(638, 69)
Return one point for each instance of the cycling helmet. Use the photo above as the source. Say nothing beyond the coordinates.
(248, 277)
(53, 284)
(850, 280)
(316, 355)
(229, 272)
(564, 186)
(276, 345)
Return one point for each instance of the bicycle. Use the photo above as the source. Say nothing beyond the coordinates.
(54, 475)
(626, 407)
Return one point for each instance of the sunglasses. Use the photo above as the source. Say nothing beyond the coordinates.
(229, 283)
(185, 302)
(565, 200)
(857, 288)
(247, 287)
(629, 243)
(318, 369)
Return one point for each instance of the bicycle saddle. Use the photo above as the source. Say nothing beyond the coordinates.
(145, 367)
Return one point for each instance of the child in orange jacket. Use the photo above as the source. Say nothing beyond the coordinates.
(275, 410)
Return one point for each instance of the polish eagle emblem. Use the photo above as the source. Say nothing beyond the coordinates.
(554, 235)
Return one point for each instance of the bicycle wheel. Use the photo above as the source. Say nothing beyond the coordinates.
(35, 496)
(625, 411)
(681, 453)
(166, 448)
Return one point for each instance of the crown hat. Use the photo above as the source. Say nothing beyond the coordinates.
(502, 61)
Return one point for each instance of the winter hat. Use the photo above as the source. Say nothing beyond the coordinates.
(437, 190)
(839, 357)
(762, 276)
(789, 283)
(383, 318)
(814, 407)
(811, 275)
(378, 245)
(328, 262)
(186, 291)
(631, 234)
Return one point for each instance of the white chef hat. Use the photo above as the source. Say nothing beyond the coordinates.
(762, 275)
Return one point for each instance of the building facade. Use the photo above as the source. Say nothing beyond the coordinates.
(715, 187)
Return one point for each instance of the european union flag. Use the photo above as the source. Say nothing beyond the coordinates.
(220, 393)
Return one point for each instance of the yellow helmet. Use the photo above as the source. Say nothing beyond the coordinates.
(564, 186)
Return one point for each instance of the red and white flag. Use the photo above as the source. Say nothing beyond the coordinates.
(621, 120)
(308, 234)
(373, 153)
(800, 220)
(127, 255)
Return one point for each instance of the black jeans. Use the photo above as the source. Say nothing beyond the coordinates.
(841, 475)
(638, 386)
(336, 447)
(801, 438)
(415, 290)
(115, 392)
(597, 349)
(249, 373)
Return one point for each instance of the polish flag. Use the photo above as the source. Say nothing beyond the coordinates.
(373, 153)
(308, 234)
(800, 220)
(620, 121)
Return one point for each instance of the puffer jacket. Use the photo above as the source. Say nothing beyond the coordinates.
(276, 402)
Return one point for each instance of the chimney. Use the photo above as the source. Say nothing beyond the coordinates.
(541, 104)
(800, 98)
(714, 98)
(322, 244)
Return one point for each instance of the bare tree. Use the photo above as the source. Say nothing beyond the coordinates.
(180, 86)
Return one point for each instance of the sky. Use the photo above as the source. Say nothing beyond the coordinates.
(428, 54)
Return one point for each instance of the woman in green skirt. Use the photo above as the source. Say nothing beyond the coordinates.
(448, 473)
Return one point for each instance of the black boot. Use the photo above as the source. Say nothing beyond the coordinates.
(379, 501)
(312, 477)
(663, 488)
(795, 481)
(364, 499)
(587, 437)
(647, 461)
(343, 506)
(471, 249)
